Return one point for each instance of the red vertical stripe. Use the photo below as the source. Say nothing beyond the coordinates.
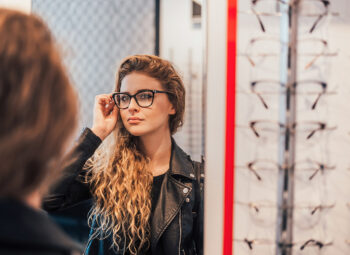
(230, 126)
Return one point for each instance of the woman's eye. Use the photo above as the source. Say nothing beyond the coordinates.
(124, 98)
(145, 96)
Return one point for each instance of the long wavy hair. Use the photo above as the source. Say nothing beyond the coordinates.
(119, 171)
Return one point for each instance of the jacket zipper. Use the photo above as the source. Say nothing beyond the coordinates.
(180, 225)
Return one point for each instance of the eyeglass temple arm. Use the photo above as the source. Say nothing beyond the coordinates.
(316, 101)
(312, 242)
(308, 65)
(250, 167)
(259, 20)
(249, 243)
(311, 134)
(262, 100)
(251, 61)
(252, 126)
(315, 23)
(313, 175)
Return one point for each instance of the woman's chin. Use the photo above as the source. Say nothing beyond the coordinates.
(136, 131)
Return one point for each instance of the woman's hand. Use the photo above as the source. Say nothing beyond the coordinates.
(105, 115)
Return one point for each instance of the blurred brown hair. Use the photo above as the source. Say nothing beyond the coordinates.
(38, 108)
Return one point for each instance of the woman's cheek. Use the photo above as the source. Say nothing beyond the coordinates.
(124, 119)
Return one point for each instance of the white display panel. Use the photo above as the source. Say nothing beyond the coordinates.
(21, 5)
(215, 125)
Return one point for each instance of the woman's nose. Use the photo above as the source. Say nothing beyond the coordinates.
(133, 106)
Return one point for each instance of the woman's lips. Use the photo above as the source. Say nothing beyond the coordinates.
(134, 120)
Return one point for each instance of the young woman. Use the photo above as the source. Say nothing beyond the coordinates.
(147, 191)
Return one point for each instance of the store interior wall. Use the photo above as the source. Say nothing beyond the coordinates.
(94, 37)
(181, 42)
(21, 5)
(330, 188)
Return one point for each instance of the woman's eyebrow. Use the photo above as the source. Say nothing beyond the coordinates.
(137, 91)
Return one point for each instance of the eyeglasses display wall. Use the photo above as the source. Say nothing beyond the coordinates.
(292, 172)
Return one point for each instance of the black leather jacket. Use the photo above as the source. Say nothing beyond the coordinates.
(177, 222)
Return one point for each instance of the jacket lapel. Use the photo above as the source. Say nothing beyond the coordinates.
(172, 193)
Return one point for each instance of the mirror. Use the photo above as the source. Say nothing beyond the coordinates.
(95, 36)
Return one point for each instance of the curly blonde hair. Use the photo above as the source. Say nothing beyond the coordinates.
(119, 171)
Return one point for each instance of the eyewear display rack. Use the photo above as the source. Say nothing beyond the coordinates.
(287, 116)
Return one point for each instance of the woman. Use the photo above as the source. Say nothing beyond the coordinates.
(37, 104)
(146, 190)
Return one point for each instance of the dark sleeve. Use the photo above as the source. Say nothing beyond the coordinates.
(71, 189)
(199, 221)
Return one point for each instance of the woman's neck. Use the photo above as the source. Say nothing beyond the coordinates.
(157, 147)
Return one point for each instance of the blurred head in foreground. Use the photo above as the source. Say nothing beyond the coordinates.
(37, 106)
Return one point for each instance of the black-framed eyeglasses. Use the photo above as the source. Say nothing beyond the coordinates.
(310, 167)
(264, 212)
(308, 243)
(308, 127)
(306, 87)
(260, 206)
(322, 7)
(259, 48)
(144, 98)
(252, 242)
(313, 242)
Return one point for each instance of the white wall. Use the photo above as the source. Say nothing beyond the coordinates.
(21, 5)
(215, 125)
(181, 42)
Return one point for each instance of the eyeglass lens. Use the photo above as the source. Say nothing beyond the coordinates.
(143, 99)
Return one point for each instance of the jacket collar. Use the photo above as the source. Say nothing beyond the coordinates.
(172, 194)
(180, 162)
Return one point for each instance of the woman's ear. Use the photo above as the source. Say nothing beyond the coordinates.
(172, 110)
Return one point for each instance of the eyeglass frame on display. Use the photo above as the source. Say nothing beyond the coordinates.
(322, 126)
(257, 205)
(309, 242)
(326, 4)
(307, 66)
(257, 208)
(259, 94)
(321, 167)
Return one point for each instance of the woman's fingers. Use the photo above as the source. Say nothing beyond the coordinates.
(111, 110)
(105, 103)
(105, 115)
(113, 114)
(103, 99)
(109, 106)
